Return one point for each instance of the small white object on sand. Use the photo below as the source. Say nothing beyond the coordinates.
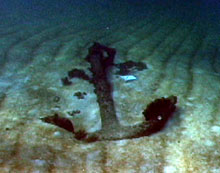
(128, 78)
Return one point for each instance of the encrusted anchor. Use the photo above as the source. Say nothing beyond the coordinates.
(101, 59)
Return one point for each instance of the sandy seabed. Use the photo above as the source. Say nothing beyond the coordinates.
(183, 60)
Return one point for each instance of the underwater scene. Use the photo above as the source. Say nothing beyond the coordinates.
(109, 86)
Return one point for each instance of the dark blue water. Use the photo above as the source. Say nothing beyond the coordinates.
(32, 11)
